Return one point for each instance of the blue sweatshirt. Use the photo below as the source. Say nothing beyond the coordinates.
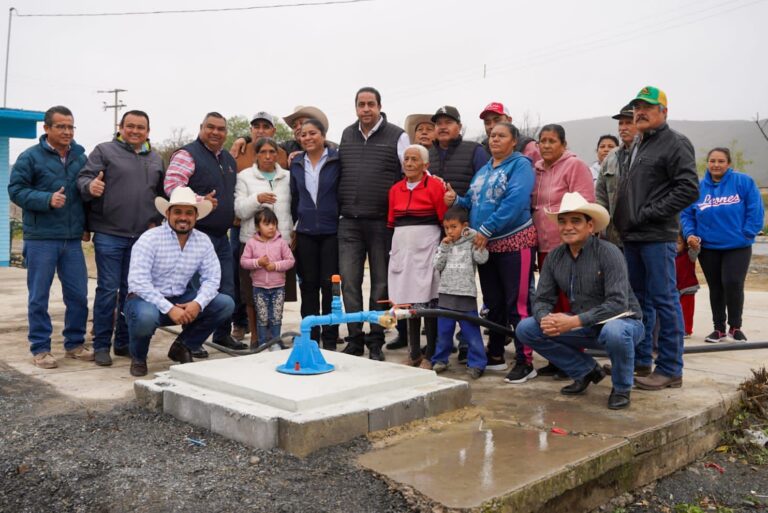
(728, 213)
(499, 198)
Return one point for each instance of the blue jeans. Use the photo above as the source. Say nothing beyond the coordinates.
(651, 267)
(268, 304)
(113, 258)
(471, 333)
(227, 285)
(65, 258)
(143, 318)
(618, 338)
(240, 316)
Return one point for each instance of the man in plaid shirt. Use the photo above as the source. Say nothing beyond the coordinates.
(160, 290)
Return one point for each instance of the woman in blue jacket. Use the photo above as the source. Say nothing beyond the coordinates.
(499, 203)
(723, 223)
(315, 209)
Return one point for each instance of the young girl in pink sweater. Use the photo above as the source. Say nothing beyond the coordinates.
(267, 256)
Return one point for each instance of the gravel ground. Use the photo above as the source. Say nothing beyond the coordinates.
(58, 455)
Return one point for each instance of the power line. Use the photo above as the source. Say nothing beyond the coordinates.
(187, 11)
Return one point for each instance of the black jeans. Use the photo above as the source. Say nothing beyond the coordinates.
(726, 270)
(360, 239)
(317, 259)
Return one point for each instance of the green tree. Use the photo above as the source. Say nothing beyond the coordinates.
(237, 126)
(737, 157)
(177, 139)
(283, 132)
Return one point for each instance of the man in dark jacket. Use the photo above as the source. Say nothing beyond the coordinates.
(660, 183)
(371, 152)
(120, 180)
(454, 160)
(210, 171)
(44, 184)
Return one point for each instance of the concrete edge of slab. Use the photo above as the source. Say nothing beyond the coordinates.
(299, 433)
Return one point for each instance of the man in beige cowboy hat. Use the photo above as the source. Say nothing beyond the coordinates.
(160, 290)
(604, 311)
(420, 129)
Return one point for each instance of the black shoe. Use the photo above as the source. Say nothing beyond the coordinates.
(353, 349)
(520, 373)
(375, 353)
(231, 343)
(549, 369)
(179, 353)
(102, 358)
(578, 386)
(397, 343)
(200, 353)
(138, 368)
(121, 351)
(618, 400)
(463, 354)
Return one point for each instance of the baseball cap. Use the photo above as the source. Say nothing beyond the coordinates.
(652, 95)
(626, 112)
(495, 108)
(447, 110)
(266, 116)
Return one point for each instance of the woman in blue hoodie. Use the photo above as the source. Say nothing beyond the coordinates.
(723, 222)
(499, 203)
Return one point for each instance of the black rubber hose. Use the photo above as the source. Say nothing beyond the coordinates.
(709, 348)
(242, 352)
(460, 316)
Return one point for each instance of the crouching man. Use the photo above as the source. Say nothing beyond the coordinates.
(160, 292)
(604, 312)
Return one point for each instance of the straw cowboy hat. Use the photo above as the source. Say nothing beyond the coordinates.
(306, 111)
(414, 120)
(183, 196)
(575, 202)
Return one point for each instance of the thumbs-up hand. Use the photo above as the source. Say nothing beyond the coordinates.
(450, 195)
(58, 199)
(211, 196)
(96, 187)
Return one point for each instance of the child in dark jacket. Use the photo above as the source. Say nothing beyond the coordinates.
(687, 283)
(267, 256)
(456, 260)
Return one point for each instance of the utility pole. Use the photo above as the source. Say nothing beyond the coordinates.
(117, 105)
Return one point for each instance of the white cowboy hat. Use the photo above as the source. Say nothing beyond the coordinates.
(575, 202)
(183, 196)
(413, 121)
(306, 111)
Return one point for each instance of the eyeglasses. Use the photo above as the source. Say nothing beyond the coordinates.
(64, 127)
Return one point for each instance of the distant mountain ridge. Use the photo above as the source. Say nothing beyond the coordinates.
(582, 135)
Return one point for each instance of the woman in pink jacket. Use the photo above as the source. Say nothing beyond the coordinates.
(559, 171)
(267, 256)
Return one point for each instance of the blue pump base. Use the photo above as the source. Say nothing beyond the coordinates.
(305, 359)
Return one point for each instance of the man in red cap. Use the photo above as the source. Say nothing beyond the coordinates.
(496, 112)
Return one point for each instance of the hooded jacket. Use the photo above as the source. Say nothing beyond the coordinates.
(660, 183)
(36, 175)
(456, 262)
(132, 182)
(277, 251)
(499, 198)
(251, 183)
(728, 213)
(568, 174)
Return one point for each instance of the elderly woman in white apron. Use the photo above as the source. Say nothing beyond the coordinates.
(416, 209)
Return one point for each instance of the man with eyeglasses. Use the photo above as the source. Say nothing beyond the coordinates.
(211, 172)
(119, 183)
(44, 184)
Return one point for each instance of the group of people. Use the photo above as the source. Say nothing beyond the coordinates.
(423, 207)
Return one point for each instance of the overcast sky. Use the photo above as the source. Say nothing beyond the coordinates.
(557, 60)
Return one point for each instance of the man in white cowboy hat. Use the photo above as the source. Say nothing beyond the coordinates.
(300, 114)
(604, 311)
(160, 290)
(420, 129)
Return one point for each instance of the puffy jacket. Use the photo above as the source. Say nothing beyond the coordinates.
(278, 252)
(36, 175)
(251, 183)
(132, 182)
(568, 174)
(321, 218)
(458, 164)
(499, 198)
(660, 183)
(728, 213)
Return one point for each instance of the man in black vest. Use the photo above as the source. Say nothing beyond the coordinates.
(211, 172)
(371, 153)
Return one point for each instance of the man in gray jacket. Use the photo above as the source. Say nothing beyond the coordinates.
(119, 183)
